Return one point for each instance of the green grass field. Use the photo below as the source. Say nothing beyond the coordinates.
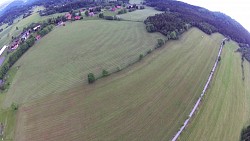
(140, 15)
(225, 109)
(147, 101)
(63, 58)
(7, 117)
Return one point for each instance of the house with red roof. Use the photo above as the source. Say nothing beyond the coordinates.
(15, 45)
(38, 37)
(77, 17)
(91, 14)
(113, 9)
(68, 16)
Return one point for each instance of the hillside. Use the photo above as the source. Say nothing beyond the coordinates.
(148, 101)
(60, 61)
(225, 109)
(177, 15)
(150, 68)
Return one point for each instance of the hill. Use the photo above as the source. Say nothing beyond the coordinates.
(148, 101)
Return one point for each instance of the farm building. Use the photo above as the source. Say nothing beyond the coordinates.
(15, 45)
(38, 37)
(68, 16)
(113, 9)
(77, 17)
(91, 14)
(61, 23)
(37, 27)
(25, 35)
(2, 50)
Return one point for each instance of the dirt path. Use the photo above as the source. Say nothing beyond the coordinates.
(202, 94)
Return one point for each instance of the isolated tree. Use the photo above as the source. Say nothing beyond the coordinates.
(149, 51)
(173, 35)
(87, 13)
(14, 106)
(140, 57)
(150, 27)
(219, 58)
(91, 78)
(101, 15)
(160, 43)
(16, 28)
(105, 73)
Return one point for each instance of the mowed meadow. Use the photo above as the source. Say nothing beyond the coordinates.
(225, 110)
(63, 58)
(140, 15)
(147, 101)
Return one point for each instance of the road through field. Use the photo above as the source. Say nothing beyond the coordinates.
(202, 94)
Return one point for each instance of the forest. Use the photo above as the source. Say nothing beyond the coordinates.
(178, 15)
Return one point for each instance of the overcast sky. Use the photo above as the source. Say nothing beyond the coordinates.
(237, 9)
(3, 1)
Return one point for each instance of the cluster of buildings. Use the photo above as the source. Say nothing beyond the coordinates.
(69, 16)
(24, 36)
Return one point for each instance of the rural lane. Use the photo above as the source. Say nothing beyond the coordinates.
(202, 94)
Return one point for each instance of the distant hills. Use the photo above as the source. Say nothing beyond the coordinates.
(207, 21)
(14, 8)
(10, 4)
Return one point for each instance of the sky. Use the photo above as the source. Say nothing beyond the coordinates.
(3, 1)
(236, 9)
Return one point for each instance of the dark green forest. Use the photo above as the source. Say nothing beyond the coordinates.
(179, 16)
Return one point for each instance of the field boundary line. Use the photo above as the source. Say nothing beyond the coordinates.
(191, 114)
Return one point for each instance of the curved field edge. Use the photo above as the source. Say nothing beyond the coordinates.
(225, 110)
(148, 101)
(63, 58)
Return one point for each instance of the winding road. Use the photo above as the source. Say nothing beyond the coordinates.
(202, 94)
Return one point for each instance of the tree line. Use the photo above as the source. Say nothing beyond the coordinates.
(169, 24)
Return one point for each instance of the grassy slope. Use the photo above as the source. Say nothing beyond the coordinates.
(224, 111)
(139, 15)
(148, 101)
(65, 57)
(7, 117)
